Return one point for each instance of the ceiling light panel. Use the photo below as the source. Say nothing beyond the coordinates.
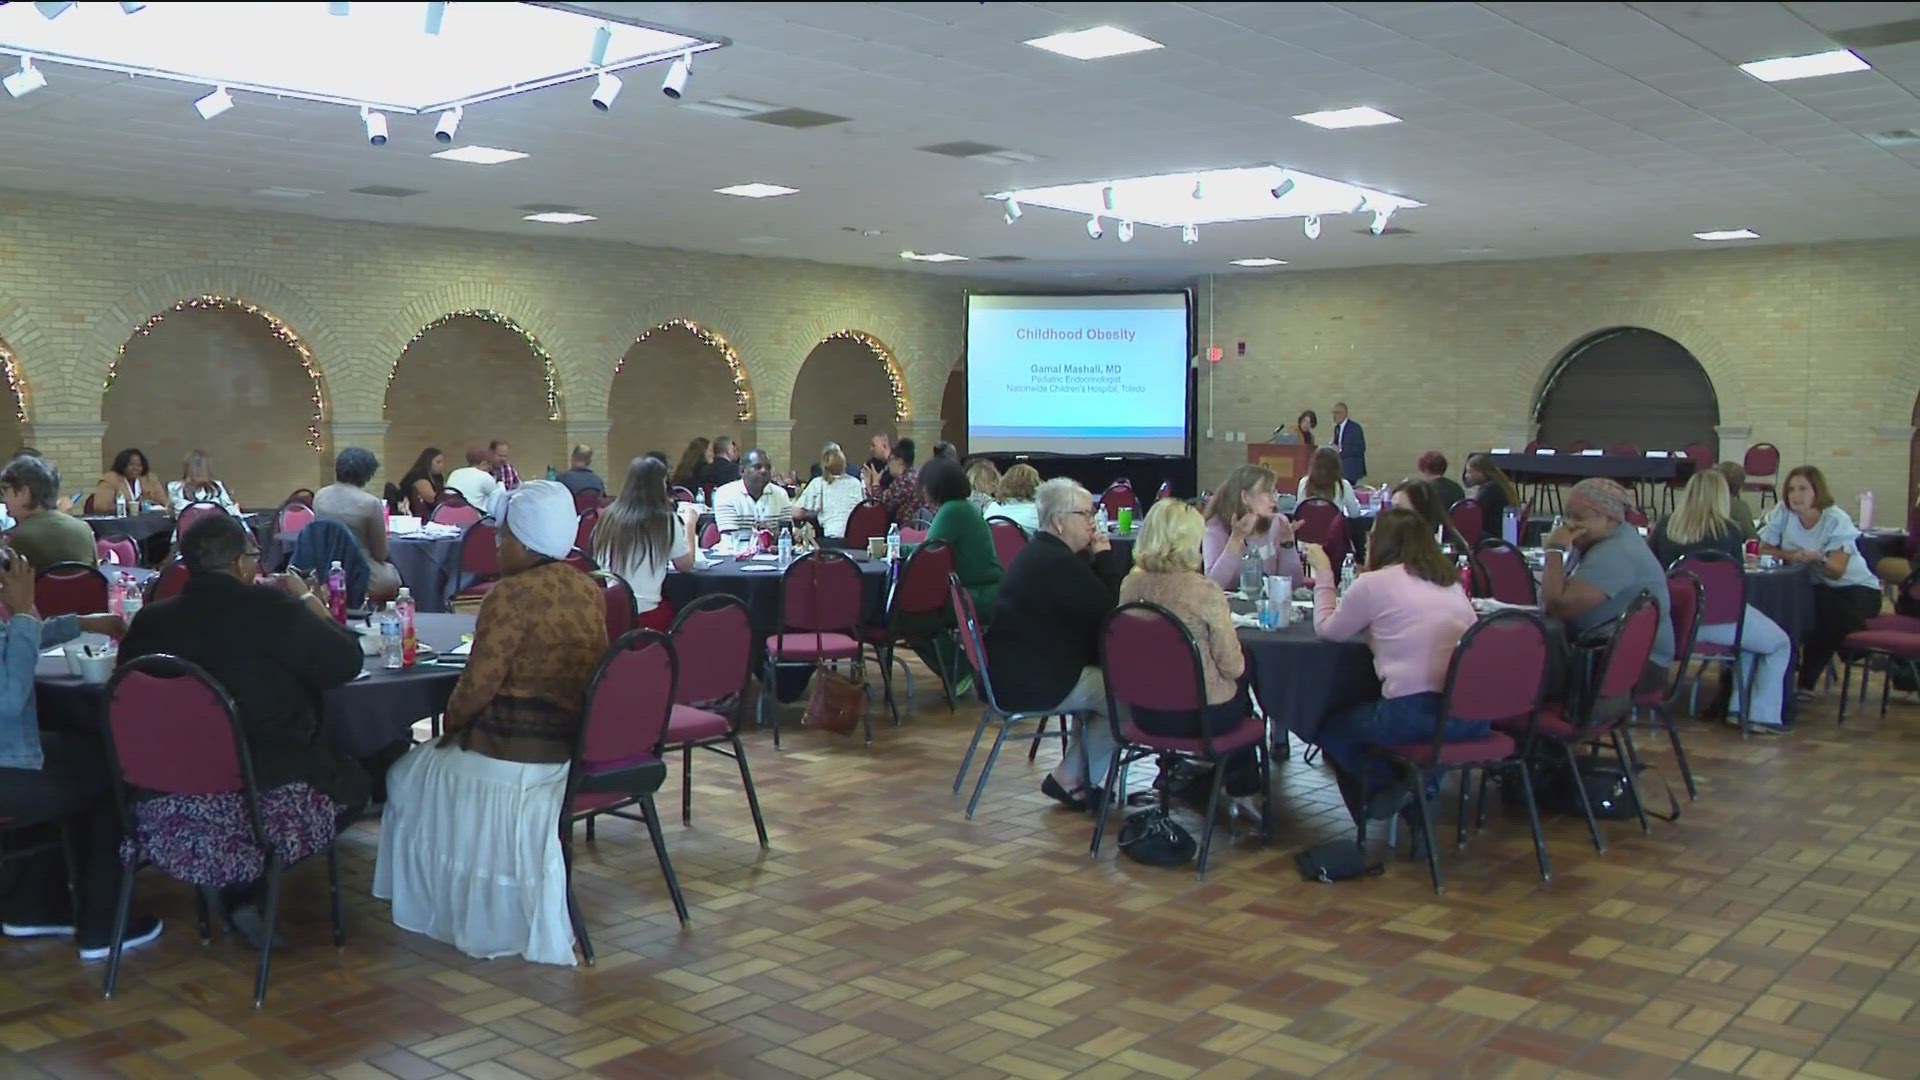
(559, 217)
(1260, 262)
(1096, 43)
(1786, 68)
(755, 191)
(1226, 195)
(479, 155)
(1727, 234)
(375, 56)
(932, 257)
(1361, 116)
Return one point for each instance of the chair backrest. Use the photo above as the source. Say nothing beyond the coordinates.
(583, 535)
(624, 719)
(914, 535)
(581, 561)
(303, 496)
(1636, 517)
(680, 495)
(713, 637)
(294, 516)
(1578, 445)
(195, 511)
(1723, 586)
(1149, 660)
(480, 551)
(172, 578)
(1119, 494)
(1313, 521)
(1532, 445)
(173, 730)
(1009, 539)
(1166, 490)
(1629, 649)
(821, 590)
(87, 507)
(710, 535)
(623, 611)
(1623, 449)
(966, 621)
(1502, 573)
(69, 588)
(1700, 455)
(922, 587)
(1684, 601)
(119, 548)
(1498, 670)
(453, 509)
(586, 499)
(868, 520)
(1469, 519)
(1762, 461)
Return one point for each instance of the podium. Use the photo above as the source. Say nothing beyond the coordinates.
(1288, 462)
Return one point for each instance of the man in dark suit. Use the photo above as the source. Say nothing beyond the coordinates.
(724, 469)
(1043, 646)
(1351, 441)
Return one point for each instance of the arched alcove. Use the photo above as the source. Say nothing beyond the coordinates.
(226, 377)
(466, 379)
(13, 402)
(953, 410)
(1628, 385)
(677, 381)
(847, 390)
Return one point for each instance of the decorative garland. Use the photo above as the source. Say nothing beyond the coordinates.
(533, 346)
(742, 390)
(282, 333)
(15, 383)
(896, 382)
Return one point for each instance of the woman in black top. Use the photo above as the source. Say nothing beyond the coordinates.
(1701, 521)
(1489, 487)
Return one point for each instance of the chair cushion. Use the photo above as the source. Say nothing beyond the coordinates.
(688, 724)
(809, 646)
(1552, 723)
(1903, 623)
(1707, 650)
(1891, 642)
(590, 801)
(1491, 747)
(1250, 731)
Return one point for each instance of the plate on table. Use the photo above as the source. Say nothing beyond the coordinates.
(757, 568)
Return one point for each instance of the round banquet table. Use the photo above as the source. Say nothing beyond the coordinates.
(138, 528)
(362, 717)
(1882, 544)
(760, 591)
(429, 568)
(1785, 595)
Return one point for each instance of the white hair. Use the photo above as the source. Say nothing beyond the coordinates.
(1056, 499)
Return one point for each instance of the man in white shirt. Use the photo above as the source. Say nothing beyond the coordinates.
(476, 481)
(752, 498)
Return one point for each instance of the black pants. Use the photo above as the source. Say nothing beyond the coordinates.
(1837, 612)
(1241, 768)
(73, 785)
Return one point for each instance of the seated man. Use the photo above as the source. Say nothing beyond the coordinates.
(1612, 564)
(45, 536)
(475, 480)
(276, 650)
(580, 476)
(1043, 645)
(752, 498)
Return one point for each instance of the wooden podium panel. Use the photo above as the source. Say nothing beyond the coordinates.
(1287, 460)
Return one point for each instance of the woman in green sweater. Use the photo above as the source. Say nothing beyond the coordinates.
(957, 521)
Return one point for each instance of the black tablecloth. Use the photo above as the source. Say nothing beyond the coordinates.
(428, 568)
(761, 592)
(1882, 544)
(362, 717)
(137, 527)
(1536, 467)
(1785, 595)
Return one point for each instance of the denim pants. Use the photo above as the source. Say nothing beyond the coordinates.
(1345, 735)
(1762, 642)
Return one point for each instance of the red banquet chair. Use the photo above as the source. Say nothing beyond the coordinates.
(69, 588)
(583, 534)
(1501, 573)
(454, 509)
(622, 610)
(1762, 466)
(914, 614)
(1119, 494)
(479, 562)
(821, 599)
(194, 512)
(587, 499)
(167, 584)
(294, 516)
(1150, 661)
(1009, 539)
(1686, 606)
(617, 764)
(715, 635)
(1723, 600)
(117, 550)
(1318, 521)
(1469, 519)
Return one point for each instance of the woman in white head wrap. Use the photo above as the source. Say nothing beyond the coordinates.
(469, 849)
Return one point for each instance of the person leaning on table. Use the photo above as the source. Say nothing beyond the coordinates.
(1804, 528)
(1611, 564)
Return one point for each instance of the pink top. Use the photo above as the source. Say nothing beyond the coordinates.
(1411, 624)
(1224, 570)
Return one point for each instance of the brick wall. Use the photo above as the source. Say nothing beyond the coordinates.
(841, 381)
(671, 388)
(465, 383)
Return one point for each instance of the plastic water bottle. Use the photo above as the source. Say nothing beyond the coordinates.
(409, 645)
(116, 594)
(120, 505)
(1510, 526)
(893, 542)
(1346, 572)
(550, 473)
(131, 599)
(1100, 520)
(1253, 574)
(1866, 511)
(337, 591)
(786, 546)
(392, 643)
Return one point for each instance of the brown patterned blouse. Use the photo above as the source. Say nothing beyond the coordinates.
(539, 635)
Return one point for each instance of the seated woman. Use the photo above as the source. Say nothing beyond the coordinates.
(1806, 529)
(640, 533)
(129, 479)
(1303, 426)
(1491, 488)
(1323, 481)
(1166, 571)
(829, 498)
(1407, 604)
(693, 462)
(985, 478)
(1013, 498)
(1611, 565)
(469, 844)
(1433, 469)
(1423, 498)
(901, 494)
(30, 486)
(348, 501)
(1700, 522)
(197, 485)
(420, 485)
(1243, 513)
(975, 558)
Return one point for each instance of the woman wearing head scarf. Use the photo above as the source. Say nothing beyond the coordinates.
(469, 852)
(1597, 564)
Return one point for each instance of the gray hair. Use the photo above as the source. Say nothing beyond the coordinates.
(1056, 499)
(36, 476)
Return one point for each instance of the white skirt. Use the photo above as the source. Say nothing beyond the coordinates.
(470, 854)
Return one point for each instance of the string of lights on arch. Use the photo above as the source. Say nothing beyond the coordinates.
(15, 383)
(539, 351)
(277, 326)
(896, 382)
(742, 389)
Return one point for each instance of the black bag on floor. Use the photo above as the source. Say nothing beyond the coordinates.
(1605, 783)
(1154, 838)
(1335, 860)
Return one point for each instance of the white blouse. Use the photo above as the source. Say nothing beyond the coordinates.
(176, 494)
(832, 501)
(1348, 505)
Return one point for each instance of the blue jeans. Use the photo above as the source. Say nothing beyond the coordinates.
(1344, 735)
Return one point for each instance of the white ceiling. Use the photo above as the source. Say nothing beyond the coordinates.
(1531, 129)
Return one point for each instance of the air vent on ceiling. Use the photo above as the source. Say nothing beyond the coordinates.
(386, 192)
(1899, 137)
(981, 152)
(796, 118)
(763, 240)
(278, 192)
(1875, 37)
(733, 107)
(1391, 230)
(1003, 258)
(863, 231)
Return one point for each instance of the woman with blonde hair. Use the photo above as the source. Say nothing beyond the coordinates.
(1013, 498)
(196, 484)
(830, 497)
(1701, 521)
(1489, 487)
(1243, 512)
(985, 479)
(1323, 481)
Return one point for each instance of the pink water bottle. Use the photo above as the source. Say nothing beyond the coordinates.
(116, 595)
(337, 591)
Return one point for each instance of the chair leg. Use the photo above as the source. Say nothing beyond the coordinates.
(333, 896)
(1423, 804)
(666, 864)
(590, 820)
(1100, 816)
(1886, 685)
(1039, 733)
(746, 781)
(986, 767)
(1533, 818)
(573, 902)
(1460, 829)
(1206, 831)
(886, 680)
(686, 784)
(1623, 749)
(120, 909)
(1846, 683)
(1586, 806)
(273, 919)
(967, 758)
(769, 680)
(1673, 736)
(204, 914)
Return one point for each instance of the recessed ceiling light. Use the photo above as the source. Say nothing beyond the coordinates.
(281, 192)
(1097, 43)
(560, 217)
(934, 257)
(1360, 116)
(1727, 234)
(1260, 262)
(479, 155)
(755, 191)
(1784, 68)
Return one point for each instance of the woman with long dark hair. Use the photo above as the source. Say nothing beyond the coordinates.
(420, 485)
(1491, 488)
(1304, 424)
(1323, 481)
(640, 533)
(130, 478)
(693, 461)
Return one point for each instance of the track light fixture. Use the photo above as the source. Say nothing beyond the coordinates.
(1013, 211)
(1280, 190)
(1197, 192)
(675, 83)
(51, 11)
(376, 126)
(1094, 231)
(1106, 196)
(1126, 232)
(1380, 217)
(214, 104)
(26, 80)
(436, 14)
(132, 9)
(605, 89)
(1189, 234)
(449, 123)
(338, 9)
(1311, 226)
(602, 38)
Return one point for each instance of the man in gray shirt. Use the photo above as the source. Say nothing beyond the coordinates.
(580, 476)
(1612, 564)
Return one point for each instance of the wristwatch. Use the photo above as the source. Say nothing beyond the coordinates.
(1289, 543)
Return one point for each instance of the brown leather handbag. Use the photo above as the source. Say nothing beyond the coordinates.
(835, 702)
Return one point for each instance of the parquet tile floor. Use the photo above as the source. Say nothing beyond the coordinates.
(1769, 934)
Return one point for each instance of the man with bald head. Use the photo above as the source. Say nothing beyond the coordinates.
(752, 498)
(1610, 565)
(475, 481)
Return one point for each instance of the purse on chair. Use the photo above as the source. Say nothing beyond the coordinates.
(835, 702)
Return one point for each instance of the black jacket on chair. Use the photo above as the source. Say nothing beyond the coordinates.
(1046, 621)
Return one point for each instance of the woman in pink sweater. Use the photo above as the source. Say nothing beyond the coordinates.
(1244, 512)
(1409, 607)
